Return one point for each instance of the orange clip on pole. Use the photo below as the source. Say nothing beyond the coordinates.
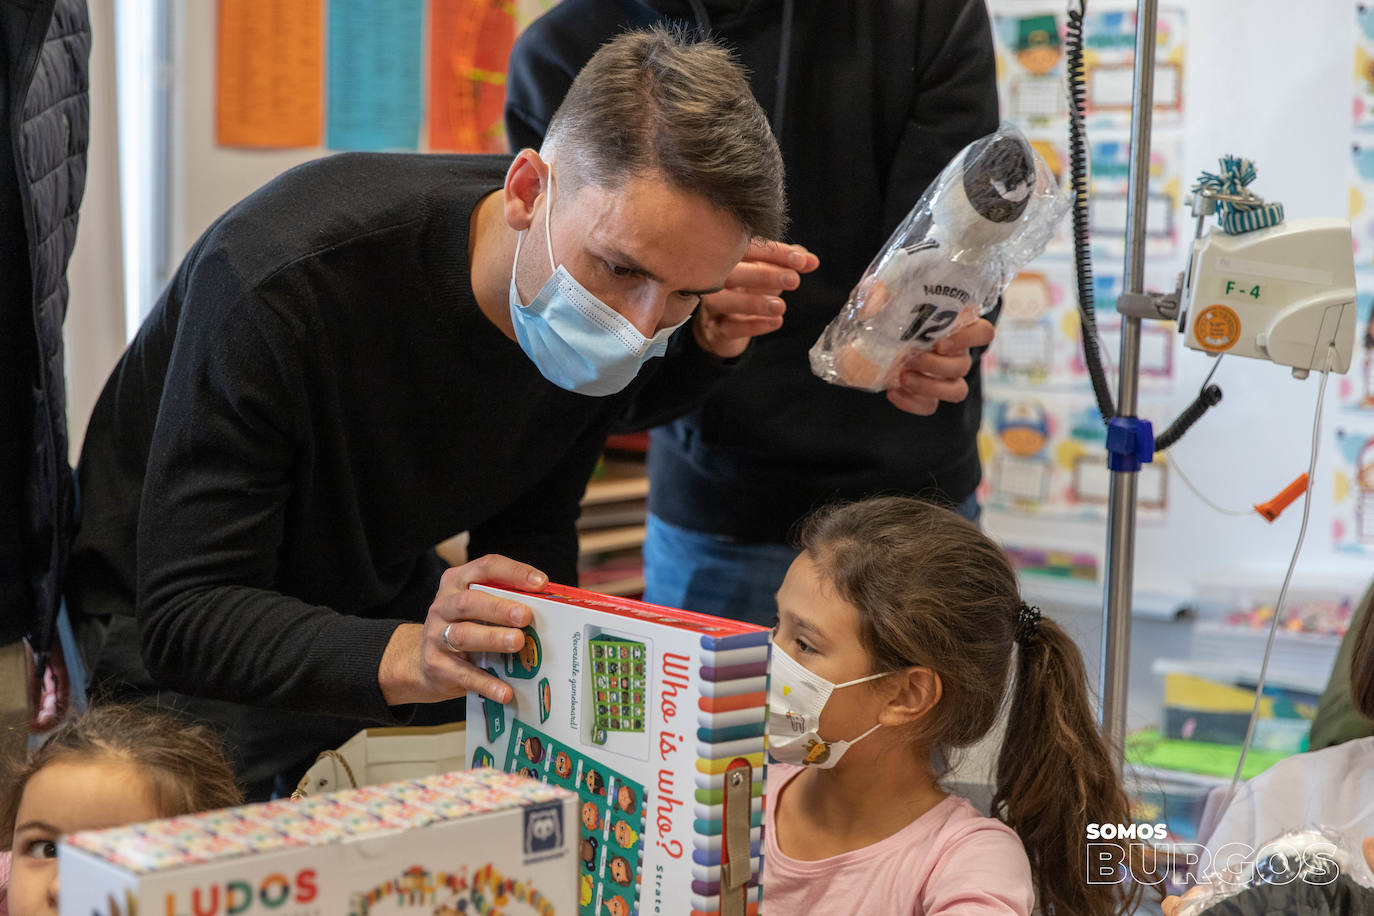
(1272, 509)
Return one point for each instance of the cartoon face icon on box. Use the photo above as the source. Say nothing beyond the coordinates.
(533, 748)
(562, 764)
(625, 835)
(586, 851)
(596, 783)
(545, 700)
(591, 818)
(584, 892)
(625, 797)
(617, 906)
(525, 663)
(620, 871)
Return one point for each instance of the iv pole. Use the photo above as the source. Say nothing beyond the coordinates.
(1116, 610)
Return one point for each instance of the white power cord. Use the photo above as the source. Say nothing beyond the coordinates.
(1283, 592)
(1172, 461)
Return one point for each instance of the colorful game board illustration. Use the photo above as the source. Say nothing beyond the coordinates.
(618, 685)
(447, 893)
(610, 812)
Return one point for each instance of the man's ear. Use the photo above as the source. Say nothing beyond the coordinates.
(918, 690)
(527, 178)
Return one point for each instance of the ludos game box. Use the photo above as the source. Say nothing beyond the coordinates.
(655, 717)
(472, 842)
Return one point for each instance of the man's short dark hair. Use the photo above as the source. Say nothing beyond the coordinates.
(653, 101)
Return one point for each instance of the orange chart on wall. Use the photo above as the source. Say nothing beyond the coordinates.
(470, 43)
(269, 73)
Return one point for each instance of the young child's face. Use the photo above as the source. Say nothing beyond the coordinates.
(820, 630)
(624, 834)
(64, 797)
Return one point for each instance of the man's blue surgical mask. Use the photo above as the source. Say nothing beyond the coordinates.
(577, 341)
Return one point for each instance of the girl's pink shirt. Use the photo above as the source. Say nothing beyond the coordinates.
(950, 860)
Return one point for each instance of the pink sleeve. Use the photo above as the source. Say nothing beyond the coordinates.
(4, 883)
(981, 871)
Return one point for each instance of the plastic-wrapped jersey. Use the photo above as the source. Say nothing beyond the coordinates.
(991, 211)
(1314, 872)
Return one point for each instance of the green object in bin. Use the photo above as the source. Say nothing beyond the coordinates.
(1149, 748)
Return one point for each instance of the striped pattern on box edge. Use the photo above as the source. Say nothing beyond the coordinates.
(731, 725)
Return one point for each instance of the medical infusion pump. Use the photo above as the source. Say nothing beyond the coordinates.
(1285, 293)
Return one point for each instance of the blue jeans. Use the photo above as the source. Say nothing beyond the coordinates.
(724, 576)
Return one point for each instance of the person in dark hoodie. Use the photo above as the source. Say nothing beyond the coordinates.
(869, 101)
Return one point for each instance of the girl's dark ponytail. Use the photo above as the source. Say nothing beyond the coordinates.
(1056, 775)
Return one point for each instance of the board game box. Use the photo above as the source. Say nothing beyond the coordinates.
(470, 842)
(655, 717)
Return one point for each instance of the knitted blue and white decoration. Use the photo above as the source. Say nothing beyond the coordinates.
(1237, 217)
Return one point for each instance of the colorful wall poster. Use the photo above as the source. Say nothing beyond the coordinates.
(1357, 386)
(1038, 341)
(1029, 45)
(1109, 67)
(469, 44)
(1045, 454)
(1110, 189)
(373, 83)
(1363, 107)
(1353, 490)
(1362, 199)
(268, 79)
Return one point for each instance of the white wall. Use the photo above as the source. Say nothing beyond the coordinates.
(95, 314)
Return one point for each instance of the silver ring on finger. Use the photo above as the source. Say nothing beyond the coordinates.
(448, 645)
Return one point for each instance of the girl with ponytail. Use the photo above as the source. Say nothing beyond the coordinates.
(901, 636)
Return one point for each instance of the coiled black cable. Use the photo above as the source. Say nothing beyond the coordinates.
(1210, 395)
(1082, 248)
(1207, 398)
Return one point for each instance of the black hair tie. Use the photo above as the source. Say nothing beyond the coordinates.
(1027, 623)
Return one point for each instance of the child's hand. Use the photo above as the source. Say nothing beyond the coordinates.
(429, 662)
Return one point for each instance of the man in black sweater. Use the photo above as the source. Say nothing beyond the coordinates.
(374, 352)
(869, 101)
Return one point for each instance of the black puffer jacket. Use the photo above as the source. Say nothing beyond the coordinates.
(44, 77)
